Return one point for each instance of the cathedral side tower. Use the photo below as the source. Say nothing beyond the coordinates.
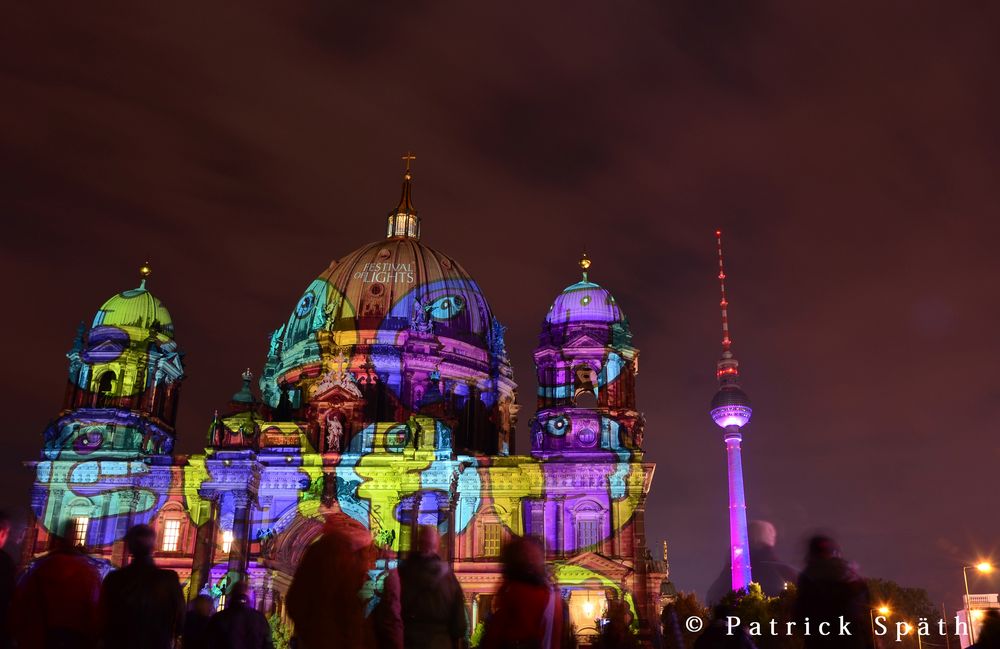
(106, 458)
(586, 367)
(588, 438)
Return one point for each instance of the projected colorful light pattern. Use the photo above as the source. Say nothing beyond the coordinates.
(391, 401)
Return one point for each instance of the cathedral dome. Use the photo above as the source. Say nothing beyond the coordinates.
(390, 286)
(584, 301)
(395, 313)
(136, 308)
(398, 277)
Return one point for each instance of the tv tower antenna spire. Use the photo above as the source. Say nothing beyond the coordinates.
(723, 303)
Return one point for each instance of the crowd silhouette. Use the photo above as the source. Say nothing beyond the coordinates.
(346, 594)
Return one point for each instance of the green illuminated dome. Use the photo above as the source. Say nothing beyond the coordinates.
(136, 308)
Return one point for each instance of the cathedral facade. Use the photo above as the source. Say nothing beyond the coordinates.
(387, 395)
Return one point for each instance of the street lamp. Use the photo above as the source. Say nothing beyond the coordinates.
(906, 631)
(984, 567)
(881, 610)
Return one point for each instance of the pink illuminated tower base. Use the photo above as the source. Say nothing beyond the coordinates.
(739, 548)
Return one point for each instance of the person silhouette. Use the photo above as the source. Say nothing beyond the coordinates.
(528, 611)
(766, 567)
(325, 602)
(141, 606)
(55, 602)
(239, 625)
(829, 589)
(431, 600)
(8, 573)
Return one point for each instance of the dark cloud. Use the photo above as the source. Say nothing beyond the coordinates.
(849, 153)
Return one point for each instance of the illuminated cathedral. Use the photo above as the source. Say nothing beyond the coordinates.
(386, 395)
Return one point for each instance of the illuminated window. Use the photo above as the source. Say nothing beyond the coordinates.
(492, 536)
(171, 534)
(227, 541)
(80, 525)
(222, 602)
(588, 532)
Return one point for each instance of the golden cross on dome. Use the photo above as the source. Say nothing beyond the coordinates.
(407, 158)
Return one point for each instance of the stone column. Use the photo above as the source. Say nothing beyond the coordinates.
(204, 548)
(560, 526)
(643, 601)
(239, 552)
(450, 513)
(30, 537)
(616, 533)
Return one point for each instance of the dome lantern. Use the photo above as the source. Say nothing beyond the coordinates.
(403, 220)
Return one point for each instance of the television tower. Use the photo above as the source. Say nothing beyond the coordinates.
(730, 412)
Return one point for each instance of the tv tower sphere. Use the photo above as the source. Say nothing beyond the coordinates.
(731, 407)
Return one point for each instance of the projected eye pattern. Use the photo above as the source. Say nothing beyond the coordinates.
(391, 401)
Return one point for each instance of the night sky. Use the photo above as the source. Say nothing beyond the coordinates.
(850, 156)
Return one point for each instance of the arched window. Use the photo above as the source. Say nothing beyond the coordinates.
(171, 528)
(171, 535)
(585, 386)
(492, 539)
(587, 521)
(105, 389)
(79, 521)
(490, 533)
(80, 526)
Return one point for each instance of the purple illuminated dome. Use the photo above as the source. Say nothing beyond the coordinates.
(584, 301)
(731, 407)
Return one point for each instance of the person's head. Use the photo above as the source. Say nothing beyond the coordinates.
(822, 547)
(239, 594)
(4, 528)
(762, 534)
(989, 631)
(428, 540)
(348, 531)
(722, 610)
(140, 541)
(64, 540)
(523, 560)
(203, 605)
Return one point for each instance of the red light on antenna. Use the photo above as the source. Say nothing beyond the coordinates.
(718, 233)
